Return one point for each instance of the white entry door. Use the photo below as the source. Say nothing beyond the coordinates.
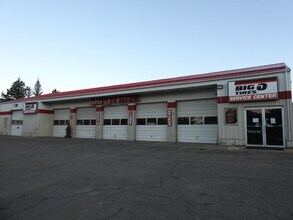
(17, 123)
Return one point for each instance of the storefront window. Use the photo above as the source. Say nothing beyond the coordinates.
(231, 116)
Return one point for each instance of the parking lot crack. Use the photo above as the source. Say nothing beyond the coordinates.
(114, 214)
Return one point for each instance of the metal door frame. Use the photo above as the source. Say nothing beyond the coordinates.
(264, 127)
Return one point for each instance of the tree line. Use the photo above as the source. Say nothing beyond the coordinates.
(20, 90)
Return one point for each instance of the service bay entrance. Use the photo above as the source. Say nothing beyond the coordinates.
(264, 127)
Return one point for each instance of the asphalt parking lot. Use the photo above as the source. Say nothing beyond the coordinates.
(56, 178)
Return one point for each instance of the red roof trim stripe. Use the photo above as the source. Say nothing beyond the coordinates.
(6, 113)
(45, 111)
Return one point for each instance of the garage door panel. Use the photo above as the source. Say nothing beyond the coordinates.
(151, 133)
(147, 132)
(61, 117)
(85, 131)
(115, 132)
(198, 135)
(201, 133)
(86, 118)
(59, 131)
(197, 108)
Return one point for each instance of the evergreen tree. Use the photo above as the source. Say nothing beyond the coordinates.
(18, 90)
(37, 89)
(28, 92)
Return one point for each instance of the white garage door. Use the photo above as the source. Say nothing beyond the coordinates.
(16, 123)
(151, 122)
(61, 119)
(86, 123)
(115, 122)
(197, 121)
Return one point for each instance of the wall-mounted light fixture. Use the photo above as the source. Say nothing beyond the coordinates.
(220, 86)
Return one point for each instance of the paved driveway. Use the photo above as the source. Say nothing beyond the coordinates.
(51, 178)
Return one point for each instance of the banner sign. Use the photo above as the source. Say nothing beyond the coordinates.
(30, 108)
(253, 90)
(130, 116)
(169, 117)
(98, 118)
(117, 100)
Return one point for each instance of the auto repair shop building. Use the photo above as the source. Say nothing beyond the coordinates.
(246, 107)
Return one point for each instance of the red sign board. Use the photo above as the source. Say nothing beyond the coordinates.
(109, 101)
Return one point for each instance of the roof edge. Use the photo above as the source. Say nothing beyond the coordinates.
(158, 82)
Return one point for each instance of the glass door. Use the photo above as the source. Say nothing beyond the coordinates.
(274, 127)
(264, 127)
(254, 128)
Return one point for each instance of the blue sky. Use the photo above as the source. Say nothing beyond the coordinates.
(75, 44)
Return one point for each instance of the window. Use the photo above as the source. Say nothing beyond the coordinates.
(79, 122)
(140, 121)
(93, 122)
(86, 122)
(151, 121)
(16, 122)
(162, 121)
(183, 120)
(196, 120)
(61, 122)
(211, 120)
(124, 121)
(5, 122)
(231, 116)
(107, 121)
(115, 121)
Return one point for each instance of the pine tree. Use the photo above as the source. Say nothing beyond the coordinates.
(17, 90)
(37, 89)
